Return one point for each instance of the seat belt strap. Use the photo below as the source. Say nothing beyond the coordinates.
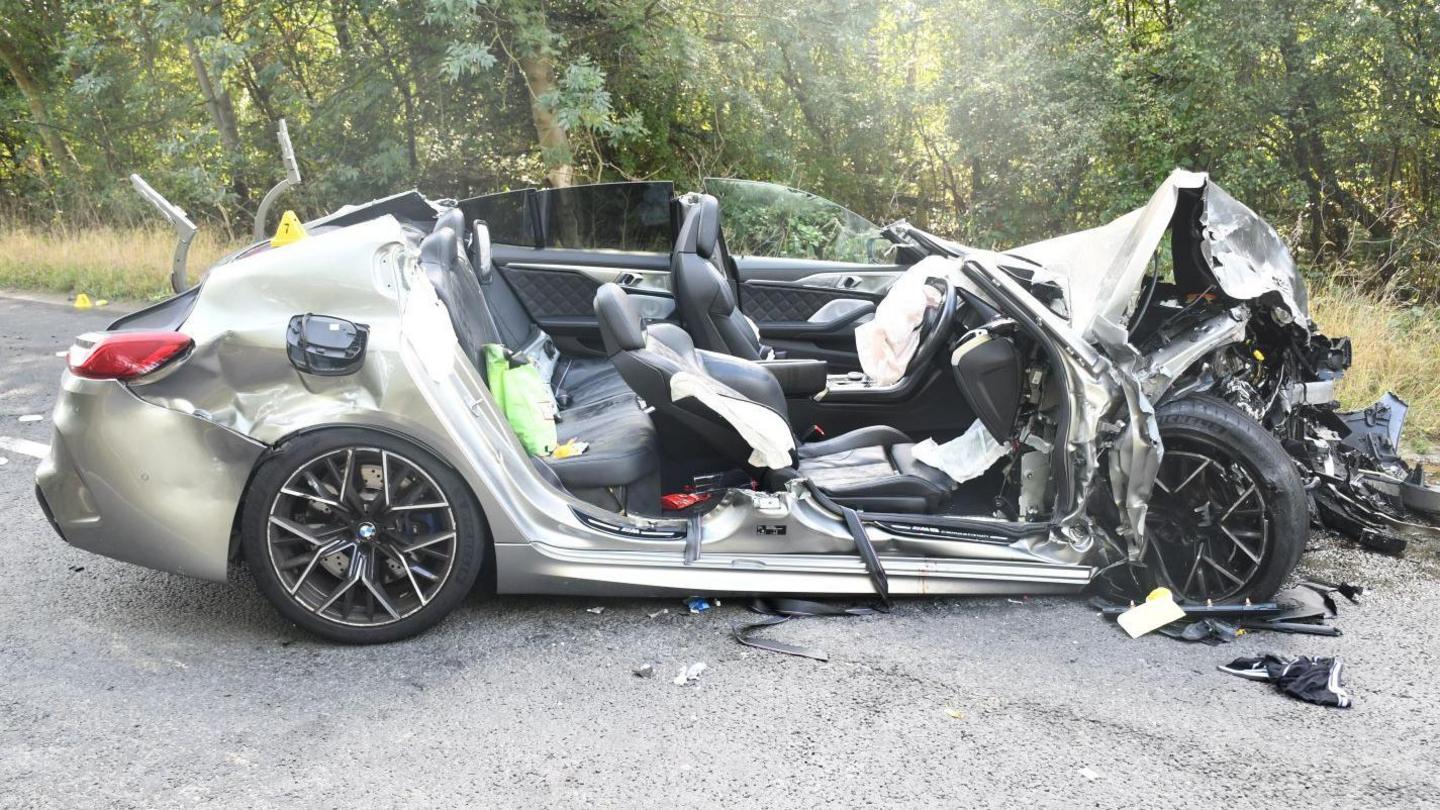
(779, 610)
(867, 554)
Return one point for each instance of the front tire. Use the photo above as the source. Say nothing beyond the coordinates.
(361, 537)
(1228, 516)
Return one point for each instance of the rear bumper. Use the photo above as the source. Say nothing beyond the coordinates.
(142, 483)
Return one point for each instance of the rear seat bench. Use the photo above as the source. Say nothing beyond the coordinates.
(621, 469)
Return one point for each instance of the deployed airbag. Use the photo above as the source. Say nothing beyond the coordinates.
(962, 459)
(888, 342)
(766, 431)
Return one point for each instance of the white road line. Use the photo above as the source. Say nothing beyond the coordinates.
(24, 447)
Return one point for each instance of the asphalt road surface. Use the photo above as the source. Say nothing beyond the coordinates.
(124, 687)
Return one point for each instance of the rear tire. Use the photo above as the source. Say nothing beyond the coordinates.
(361, 537)
(1228, 516)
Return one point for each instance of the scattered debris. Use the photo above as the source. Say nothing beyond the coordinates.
(645, 670)
(699, 604)
(4, 461)
(1090, 774)
(1313, 680)
(1304, 610)
(32, 417)
(598, 609)
(690, 673)
(77, 568)
(1205, 631)
(1158, 610)
(1364, 490)
(660, 612)
(954, 713)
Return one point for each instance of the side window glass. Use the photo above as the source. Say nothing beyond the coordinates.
(609, 216)
(765, 219)
(507, 215)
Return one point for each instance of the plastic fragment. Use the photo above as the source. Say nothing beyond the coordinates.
(659, 612)
(598, 609)
(4, 461)
(699, 604)
(1090, 774)
(954, 713)
(690, 673)
(570, 448)
(32, 417)
(645, 670)
(1158, 610)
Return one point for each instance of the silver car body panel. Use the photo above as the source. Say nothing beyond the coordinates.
(143, 483)
(237, 395)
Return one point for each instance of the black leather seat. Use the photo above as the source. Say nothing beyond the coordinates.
(871, 468)
(621, 469)
(703, 292)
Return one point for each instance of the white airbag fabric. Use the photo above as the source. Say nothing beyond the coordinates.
(886, 343)
(764, 430)
(963, 458)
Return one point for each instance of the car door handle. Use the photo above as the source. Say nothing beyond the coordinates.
(849, 282)
(628, 279)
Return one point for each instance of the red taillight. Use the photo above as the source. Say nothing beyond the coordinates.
(124, 355)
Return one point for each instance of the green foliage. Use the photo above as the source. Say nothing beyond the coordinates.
(992, 121)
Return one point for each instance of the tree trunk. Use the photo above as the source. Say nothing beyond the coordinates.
(60, 154)
(217, 100)
(1312, 158)
(539, 71)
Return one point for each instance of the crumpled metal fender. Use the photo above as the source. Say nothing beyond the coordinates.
(1145, 380)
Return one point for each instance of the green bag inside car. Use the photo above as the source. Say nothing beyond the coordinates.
(524, 398)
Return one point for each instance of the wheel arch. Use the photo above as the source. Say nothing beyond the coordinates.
(488, 571)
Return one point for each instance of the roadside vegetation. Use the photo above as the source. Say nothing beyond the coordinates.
(102, 262)
(1397, 348)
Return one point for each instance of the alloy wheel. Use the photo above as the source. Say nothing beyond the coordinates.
(361, 536)
(1209, 523)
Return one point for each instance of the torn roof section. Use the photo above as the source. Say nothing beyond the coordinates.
(1218, 243)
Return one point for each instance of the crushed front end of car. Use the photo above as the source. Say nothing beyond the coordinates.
(1229, 318)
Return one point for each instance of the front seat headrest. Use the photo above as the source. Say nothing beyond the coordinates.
(438, 250)
(481, 253)
(707, 233)
(700, 228)
(450, 218)
(620, 326)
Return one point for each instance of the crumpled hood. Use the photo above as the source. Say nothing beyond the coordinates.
(1100, 270)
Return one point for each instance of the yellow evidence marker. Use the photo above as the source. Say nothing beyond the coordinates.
(290, 230)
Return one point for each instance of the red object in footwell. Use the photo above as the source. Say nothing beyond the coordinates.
(676, 501)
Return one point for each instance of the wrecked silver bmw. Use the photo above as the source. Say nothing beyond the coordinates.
(614, 390)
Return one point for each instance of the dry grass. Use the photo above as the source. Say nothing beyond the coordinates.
(1397, 348)
(103, 262)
